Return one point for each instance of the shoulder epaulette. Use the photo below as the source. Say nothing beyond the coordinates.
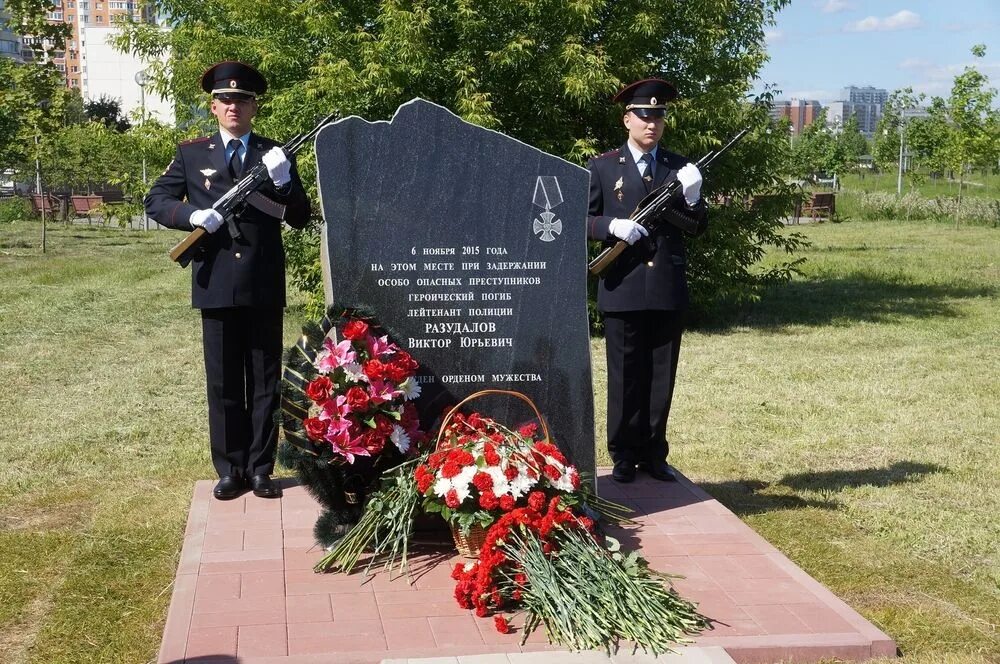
(609, 153)
(192, 141)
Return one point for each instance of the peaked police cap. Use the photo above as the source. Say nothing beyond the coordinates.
(233, 79)
(648, 97)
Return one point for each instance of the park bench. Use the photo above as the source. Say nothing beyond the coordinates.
(47, 202)
(87, 206)
(820, 203)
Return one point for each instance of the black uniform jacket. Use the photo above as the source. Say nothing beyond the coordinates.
(227, 272)
(650, 274)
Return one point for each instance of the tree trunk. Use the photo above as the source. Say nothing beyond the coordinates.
(961, 181)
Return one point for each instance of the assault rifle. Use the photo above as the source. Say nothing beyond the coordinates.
(243, 193)
(658, 206)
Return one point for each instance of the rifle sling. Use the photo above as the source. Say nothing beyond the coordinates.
(266, 205)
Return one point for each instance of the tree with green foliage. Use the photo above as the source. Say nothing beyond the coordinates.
(852, 144)
(885, 144)
(813, 150)
(974, 139)
(538, 70)
(926, 137)
(34, 104)
(107, 110)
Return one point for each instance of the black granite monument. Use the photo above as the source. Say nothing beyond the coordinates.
(471, 247)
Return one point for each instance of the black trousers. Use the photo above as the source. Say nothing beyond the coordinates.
(642, 351)
(242, 369)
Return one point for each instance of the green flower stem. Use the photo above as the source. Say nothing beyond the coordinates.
(588, 597)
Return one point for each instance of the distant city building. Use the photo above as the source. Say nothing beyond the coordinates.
(10, 42)
(114, 74)
(80, 15)
(88, 62)
(865, 104)
(800, 112)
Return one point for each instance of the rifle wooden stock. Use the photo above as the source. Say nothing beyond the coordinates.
(177, 254)
(607, 257)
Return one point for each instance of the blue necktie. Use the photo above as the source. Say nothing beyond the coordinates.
(235, 162)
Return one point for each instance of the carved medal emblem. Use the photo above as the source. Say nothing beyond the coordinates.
(548, 195)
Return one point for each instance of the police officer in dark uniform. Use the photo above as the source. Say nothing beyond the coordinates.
(238, 284)
(643, 295)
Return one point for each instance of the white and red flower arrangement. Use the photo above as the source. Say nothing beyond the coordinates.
(481, 470)
(539, 548)
(361, 399)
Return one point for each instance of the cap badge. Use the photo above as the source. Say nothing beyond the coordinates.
(652, 100)
(232, 84)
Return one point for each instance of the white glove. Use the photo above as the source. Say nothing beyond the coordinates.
(627, 230)
(690, 179)
(278, 166)
(208, 219)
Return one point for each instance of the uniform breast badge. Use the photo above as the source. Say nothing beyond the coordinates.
(618, 189)
(208, 173)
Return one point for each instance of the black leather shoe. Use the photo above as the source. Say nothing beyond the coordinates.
(229, 487)
(264, 487)
(659, 470)
(624, 472)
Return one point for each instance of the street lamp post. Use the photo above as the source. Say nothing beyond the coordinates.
(899, 176)
(142, 78)
(38, 182)
(42, 105)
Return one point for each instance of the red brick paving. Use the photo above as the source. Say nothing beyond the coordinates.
(245, 591)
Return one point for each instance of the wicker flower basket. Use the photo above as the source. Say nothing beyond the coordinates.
(470, 544)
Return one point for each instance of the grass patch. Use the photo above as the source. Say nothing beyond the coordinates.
(978, 184)
(849, 417)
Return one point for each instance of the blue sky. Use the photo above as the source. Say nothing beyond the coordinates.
(821, 46)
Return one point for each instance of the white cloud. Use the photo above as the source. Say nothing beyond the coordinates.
(833, 6)
(934, 79)
(901, 20)
(773, 36)
(914, 63)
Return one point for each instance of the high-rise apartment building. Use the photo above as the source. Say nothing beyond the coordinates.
(800, 112)
(79, 15)
(866, 104)
(10, 42)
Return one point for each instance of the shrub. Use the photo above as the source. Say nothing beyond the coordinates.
(878, 206)
(13, 209)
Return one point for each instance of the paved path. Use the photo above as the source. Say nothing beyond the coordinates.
(245, 591)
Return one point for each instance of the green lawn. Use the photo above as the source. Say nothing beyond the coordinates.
(977, 184)
(850, 417)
